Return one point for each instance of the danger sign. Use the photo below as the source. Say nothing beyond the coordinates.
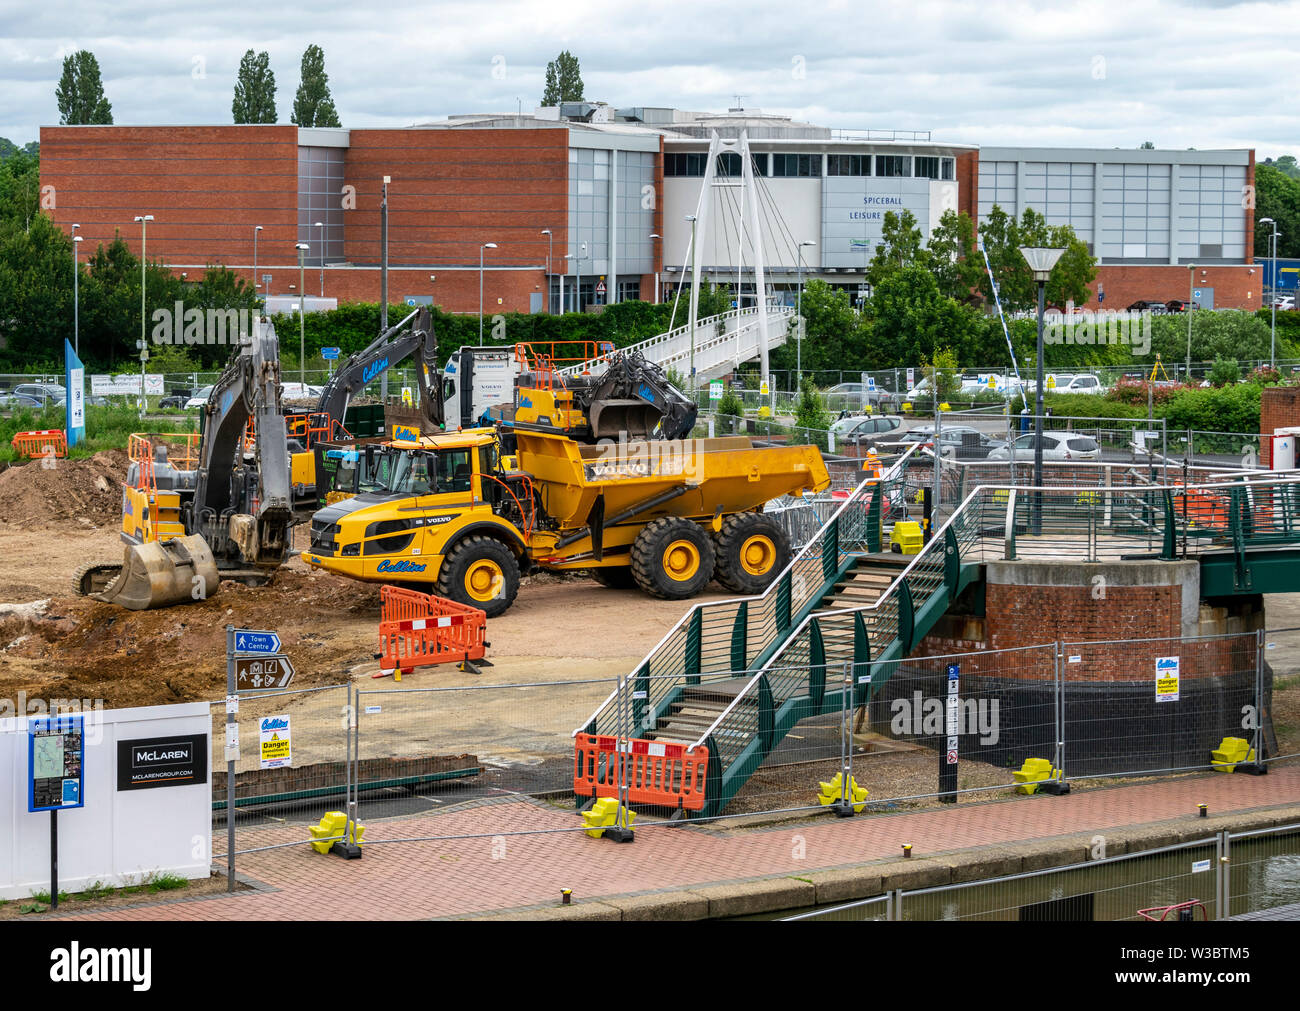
(1167, 670)
(952, 756)
(276, 743)
(600, 287)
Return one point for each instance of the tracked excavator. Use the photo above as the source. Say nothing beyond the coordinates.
(225, 511)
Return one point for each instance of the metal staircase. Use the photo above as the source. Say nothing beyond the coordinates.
(736, 676)
(722, 343)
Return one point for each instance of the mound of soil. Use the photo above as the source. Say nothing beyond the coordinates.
(87, 649)
(43, 493)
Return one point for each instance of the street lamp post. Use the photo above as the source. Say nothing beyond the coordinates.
(653, 236)
(1041, 261)
(257, 229)
(694, 303)
(550, 248)
(798, 312)
(383, 280)
(1272, 354)
(144, 220)
(321, 240)
(1191, 283)
(486, 245)
(76, 304)
(302, 248)
(577, 286)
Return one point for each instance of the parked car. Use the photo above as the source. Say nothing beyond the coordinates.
(855, 397)
(1149, 305)
(14, 401)
(43, 393)
(1079, 384)
(1056, 446)
(299, 391)
(177, 398)
(1283, 302)
(864, 431)
(956, 441)
(200, 398)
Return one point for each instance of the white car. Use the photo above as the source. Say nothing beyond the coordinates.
(197, 401)
(1284, 302)
(1078, 384)
(1056, 446)
(299, 391)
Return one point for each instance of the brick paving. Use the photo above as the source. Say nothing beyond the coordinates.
(451, 877)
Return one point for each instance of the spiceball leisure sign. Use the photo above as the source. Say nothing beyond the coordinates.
(162, 761)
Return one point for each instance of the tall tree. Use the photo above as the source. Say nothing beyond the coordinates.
(954, 260)
(254, 90)
(1277, 196)
(1003, 236)
(80, 92)
(900, 247)
(312, 105)
(563, 80)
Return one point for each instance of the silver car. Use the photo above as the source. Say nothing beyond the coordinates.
(1056, 446)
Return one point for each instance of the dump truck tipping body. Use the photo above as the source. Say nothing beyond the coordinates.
(692, 478)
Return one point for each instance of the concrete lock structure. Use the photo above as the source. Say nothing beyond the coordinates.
(1113, 638)
(587, 205)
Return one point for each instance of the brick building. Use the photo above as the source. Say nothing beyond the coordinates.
(589, 203)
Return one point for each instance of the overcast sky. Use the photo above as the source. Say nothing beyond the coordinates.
(1181, 73)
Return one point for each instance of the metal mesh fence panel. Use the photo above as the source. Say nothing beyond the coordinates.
(1264, 870)
(312, 777)
(1146, 705)
(1280, 717)
(426, 750)
(874, 909)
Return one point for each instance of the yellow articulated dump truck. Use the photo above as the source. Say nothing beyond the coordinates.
(452, 515)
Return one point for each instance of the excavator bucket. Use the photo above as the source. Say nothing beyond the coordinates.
(611, 418)
(162, 573)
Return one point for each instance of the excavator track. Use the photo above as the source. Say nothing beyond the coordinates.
(95, 578)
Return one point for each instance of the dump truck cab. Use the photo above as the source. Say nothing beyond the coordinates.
(436, 511)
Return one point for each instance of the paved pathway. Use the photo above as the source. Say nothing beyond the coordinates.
(451, 877)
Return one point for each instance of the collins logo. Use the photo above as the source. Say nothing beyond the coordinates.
(400, 566)
(274, 723)
(405, 434)
(373, 369)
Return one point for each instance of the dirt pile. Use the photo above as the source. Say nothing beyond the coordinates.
(83, 648)
(86, 493)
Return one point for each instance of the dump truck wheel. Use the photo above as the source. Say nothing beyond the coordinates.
(616, 577)
(480, 572)
(751, 549)
(672, 558)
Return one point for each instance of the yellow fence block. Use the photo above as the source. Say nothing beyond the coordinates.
(604, 814)
(1230, 752)
(833, 792)
(1033, 772)
(332, 826)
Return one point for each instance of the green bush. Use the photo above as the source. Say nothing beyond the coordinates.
(1225, 372)
(730, 404)
(1230, 409)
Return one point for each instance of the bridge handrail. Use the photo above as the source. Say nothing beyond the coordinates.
(684, 330)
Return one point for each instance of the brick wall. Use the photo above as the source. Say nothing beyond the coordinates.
(1279, 407)
(207, 187)
(1235, 286)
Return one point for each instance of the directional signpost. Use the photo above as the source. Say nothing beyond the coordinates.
(262, 673)
(948, 759)
(253, 663)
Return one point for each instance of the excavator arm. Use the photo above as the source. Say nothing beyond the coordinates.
(397, 343)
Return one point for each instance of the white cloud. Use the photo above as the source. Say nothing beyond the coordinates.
(1107, 74)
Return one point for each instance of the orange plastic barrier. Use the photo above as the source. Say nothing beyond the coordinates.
(1204, 509)
(50, 442)
(419, 630)
(659, 772)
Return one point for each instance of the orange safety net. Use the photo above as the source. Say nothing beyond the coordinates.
(658, 772)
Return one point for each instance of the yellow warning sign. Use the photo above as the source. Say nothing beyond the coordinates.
(276, 748)
(1167, 671)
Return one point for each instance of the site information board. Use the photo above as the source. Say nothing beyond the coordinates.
(55, 759)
